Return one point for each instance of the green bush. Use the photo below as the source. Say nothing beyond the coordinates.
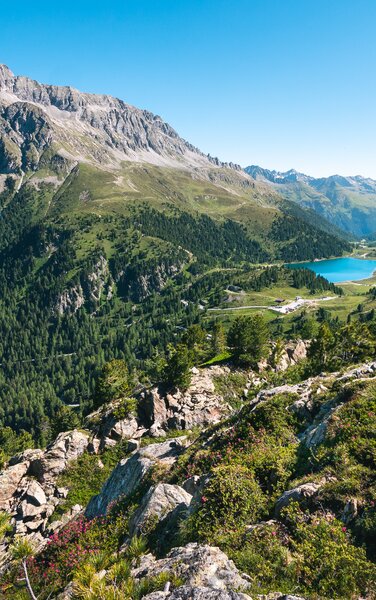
(311, 555)
(231, 500)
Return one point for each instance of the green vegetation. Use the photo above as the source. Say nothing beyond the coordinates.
(251, 459)
(12, 443)
(248, 337)
(96, 269)
(85, 476)
(315, 547)
(177, 371)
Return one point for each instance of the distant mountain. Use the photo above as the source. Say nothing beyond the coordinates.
(347, 202)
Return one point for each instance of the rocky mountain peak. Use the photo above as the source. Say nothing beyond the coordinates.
(100, 128)
(6, 76)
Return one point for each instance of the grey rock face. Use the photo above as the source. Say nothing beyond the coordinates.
(70, 300)
(294, 352)
(158, 504)
(10, 480)
(129, 472)
(28, 489)
(67, 446)
(198, 565)
(91, 290)
(35, 494)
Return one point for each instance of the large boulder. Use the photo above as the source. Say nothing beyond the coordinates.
(35, 494)
(197, 565)
(10, 480)
(292, 353)
(158, 503)
(129, 472)
(67, 446)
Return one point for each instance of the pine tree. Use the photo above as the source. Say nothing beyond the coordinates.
(218, 339)
(248, 337)
(177, 372)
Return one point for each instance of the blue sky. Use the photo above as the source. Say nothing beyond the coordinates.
(280, 83)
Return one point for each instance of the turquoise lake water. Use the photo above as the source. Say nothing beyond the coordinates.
(340, 269)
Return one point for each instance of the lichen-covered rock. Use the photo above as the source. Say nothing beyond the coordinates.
(197, 565)
(130, 471)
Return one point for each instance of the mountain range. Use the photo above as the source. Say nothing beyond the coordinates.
(349, 203)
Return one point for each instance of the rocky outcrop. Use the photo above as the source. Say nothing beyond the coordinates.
(108, 428)
(129, 472)
(97, 281)
(199, 405)
(155, 280)
(10, 481)
(28, 488)
(292, 353)
(67, 446)
(197, 565)
(70, 300)
(25, 132)
(316, 431)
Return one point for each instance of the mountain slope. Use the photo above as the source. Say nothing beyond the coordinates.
(231, 488)
(347, 202)
(112, 231)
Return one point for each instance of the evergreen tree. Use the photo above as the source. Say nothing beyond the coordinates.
(322, 348)
(64, 419)
(177, 372)
(248, 337)
(114, 383)
(218, 339)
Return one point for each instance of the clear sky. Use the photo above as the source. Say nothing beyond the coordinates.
(279, 83)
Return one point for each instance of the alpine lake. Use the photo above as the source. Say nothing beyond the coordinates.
(338, 270)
